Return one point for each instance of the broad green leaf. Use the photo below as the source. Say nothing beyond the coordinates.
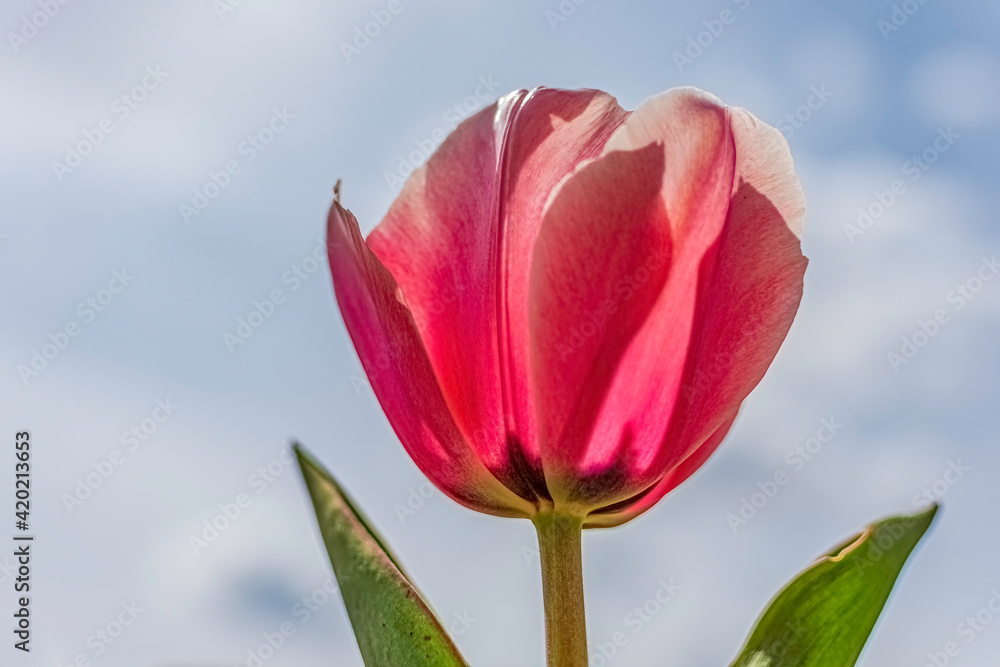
(824, 616)
(392, 622)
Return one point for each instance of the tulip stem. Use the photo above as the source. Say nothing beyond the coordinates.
(562, 587)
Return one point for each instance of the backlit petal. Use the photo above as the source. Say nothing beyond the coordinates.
(389, 346)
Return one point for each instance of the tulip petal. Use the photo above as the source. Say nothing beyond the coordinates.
(627, 510)
(750, 291)
(392, 353)
(458, 241)
(625, 236)
(666, 391)
(764, 161)
(587, 304)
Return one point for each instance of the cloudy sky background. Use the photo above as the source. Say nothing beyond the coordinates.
(162, 337)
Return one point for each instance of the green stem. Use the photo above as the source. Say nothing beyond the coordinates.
(562, 588)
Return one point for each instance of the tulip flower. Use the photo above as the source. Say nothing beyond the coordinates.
(566, 305)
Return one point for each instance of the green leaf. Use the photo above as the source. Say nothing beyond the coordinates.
(824, 616)
(392, 622)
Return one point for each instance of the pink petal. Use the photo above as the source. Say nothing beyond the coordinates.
(750, 291)
(389, 346)
(625, 235)
(633, 507)
(458, 241)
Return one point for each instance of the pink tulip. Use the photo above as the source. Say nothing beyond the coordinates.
(565, 307)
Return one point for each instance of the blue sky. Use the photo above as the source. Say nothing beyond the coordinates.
(168, 286)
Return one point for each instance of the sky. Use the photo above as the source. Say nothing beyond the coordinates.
(165, 172)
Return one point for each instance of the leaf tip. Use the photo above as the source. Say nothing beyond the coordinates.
(927, 515)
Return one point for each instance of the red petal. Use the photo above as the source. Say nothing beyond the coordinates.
(625, 236)
(750, 290)
(389, 346)
(458, 240)
(629, 509)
